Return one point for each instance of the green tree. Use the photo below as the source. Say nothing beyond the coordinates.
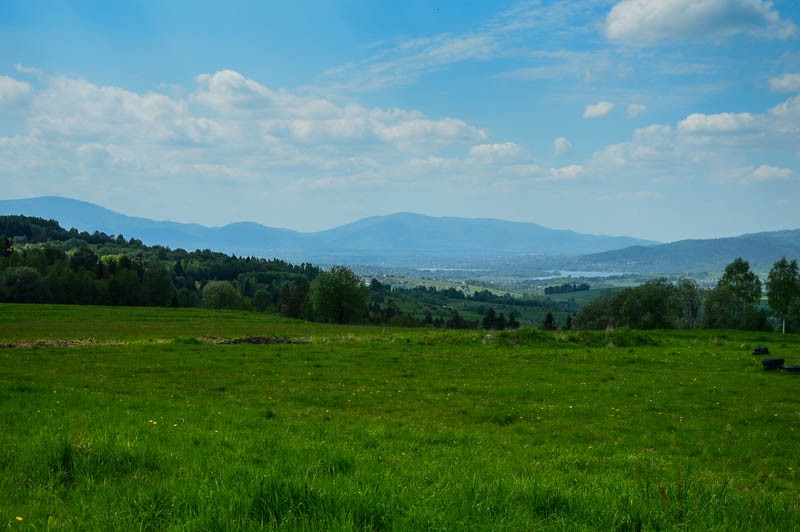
(733, 303)
(338, 296)
(689, 297)
(599, 313)
(783, 288)
(292, 300)
(745, 284)
(23, 284)
(5, 246)
(160, 292)
(76, 287)
(221, 295)
(512, 322)
(721, 309)
(490, 319)
(187, 298)
(84, 258)
(262, 300)
(126, 289)
(549, 323)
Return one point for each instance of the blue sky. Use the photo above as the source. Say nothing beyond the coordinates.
(662, 119)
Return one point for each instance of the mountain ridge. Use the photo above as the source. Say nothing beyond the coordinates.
(375, 238)
(417, 240)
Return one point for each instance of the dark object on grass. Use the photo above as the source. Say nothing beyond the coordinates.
(761, 351)
(772, 363)
(792, 368)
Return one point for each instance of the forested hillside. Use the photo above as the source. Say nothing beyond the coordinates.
(43, 263)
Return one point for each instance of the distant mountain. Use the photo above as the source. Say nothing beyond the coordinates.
(761, 250)
(403, 237)
(401, 233)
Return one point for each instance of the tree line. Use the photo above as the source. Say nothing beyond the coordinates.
(734, 303)
(566, 288)
(40, 262)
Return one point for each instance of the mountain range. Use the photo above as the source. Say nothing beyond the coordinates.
(391, 238)
(415, 240)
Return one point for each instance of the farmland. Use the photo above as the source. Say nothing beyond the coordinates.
(141, 418)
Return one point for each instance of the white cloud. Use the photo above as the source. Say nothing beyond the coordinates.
(562, 146)
(413, 58)
(19, 67)
(716, 148)
(598, 110)
(635, 109)
(12, 90)
(566, 173)
(785, 83)
(717, 123)
(405, 61)
(310, 119)
(648, 195)
(227, 128)
(770, 173)
(646, 21)
(493, 153)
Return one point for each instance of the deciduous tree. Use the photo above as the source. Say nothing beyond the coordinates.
(339, 296)
(783, 288)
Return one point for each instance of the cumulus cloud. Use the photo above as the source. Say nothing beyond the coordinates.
(635, 109)
(598, 110)
(785, 83)
(562, 146)
(646, 21)
(12, 90)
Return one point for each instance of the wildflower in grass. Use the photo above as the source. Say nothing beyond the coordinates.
(19, 518)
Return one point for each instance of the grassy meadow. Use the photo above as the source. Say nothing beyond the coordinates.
(140, 419)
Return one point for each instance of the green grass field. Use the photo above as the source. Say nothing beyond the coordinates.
(135, 419)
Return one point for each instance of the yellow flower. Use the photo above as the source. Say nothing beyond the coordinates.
(19, 518)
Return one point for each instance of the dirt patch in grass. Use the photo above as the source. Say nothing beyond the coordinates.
(50, 343)
(32, 344)
(258, 340)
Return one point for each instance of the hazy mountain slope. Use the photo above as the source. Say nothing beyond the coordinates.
(761, 250)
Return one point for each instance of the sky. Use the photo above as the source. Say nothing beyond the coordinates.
(660, 119)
